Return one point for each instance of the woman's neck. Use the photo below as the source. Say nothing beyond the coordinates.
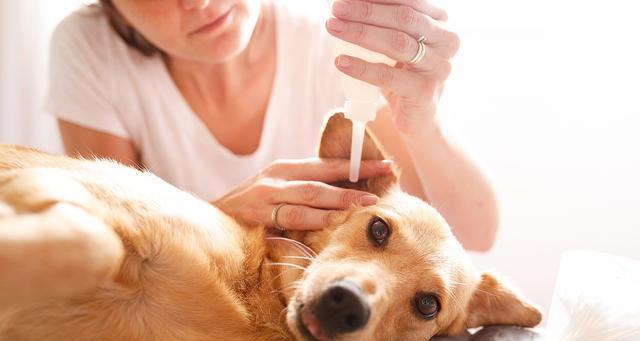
(223, 79)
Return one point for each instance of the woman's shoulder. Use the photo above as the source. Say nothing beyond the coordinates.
(94, 77)
(87, 24)
(88, 33)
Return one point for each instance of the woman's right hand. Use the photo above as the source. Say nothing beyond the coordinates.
(301, 185)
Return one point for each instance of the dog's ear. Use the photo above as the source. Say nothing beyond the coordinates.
(336, 144)
(494, 303)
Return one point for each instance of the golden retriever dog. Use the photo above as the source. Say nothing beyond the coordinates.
(94, 250)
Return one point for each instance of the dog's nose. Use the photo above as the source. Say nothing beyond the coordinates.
(342, 308)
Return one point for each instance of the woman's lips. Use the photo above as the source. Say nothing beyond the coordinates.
(213, 25)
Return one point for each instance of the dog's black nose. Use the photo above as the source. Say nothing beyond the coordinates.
(342, 308)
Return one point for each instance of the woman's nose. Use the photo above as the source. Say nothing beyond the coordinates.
(194, 4)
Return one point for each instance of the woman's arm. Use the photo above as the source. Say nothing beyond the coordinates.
(89, 143)
(413, 33)
(440, 172)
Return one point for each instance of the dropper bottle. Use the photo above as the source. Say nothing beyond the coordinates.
(361, 103)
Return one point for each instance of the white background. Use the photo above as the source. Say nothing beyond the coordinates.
(544, 94)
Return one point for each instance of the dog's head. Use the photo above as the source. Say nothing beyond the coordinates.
(393, 271)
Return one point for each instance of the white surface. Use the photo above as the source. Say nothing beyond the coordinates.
(595, 299)
(545, 94)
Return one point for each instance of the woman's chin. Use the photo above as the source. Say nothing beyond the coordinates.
(224, 44)
(222, 49)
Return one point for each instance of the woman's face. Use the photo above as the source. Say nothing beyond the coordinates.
(198, 30)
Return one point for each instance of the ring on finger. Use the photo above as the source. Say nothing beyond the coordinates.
(274, 217)
(422, 51)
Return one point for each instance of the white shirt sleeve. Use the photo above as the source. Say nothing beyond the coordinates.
(81, 83)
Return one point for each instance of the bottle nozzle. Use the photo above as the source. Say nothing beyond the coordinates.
(359, 112)
(357, 138)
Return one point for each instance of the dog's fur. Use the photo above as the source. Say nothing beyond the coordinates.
(93, 250)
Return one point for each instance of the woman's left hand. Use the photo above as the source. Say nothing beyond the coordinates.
(393, 27)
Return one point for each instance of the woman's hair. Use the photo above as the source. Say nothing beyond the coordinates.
(129, 34)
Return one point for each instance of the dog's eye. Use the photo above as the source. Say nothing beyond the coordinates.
(378, 231)
(427, 305)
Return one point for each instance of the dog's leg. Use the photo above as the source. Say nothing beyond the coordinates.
(57, 252)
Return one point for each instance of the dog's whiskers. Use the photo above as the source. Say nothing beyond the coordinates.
(301, 250)
(290, 288)
(296, 266)
(285, 290)
(455, 300)
(284, 272)
(309, 252)
(284, 311)
(299, 257)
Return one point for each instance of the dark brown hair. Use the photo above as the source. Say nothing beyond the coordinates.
(129, 34)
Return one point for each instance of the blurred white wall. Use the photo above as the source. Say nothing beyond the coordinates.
(25, 29)
(544, 93)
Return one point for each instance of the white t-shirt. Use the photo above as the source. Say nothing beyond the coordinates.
(97, 81)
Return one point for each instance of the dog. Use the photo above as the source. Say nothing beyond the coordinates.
(94, 250)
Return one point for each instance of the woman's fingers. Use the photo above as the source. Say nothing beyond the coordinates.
(402, 82)
(296, 217)
(423, 6)
(400, 18)
(320, 195)
(393, 25)
(393, 43)
(309, 203)
(325, 170)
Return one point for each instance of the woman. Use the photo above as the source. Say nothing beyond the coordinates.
(208, 95)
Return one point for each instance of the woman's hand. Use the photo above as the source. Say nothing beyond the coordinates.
(393, 27)
(301, 185)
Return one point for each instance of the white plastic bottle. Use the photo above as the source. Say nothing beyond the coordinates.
(360, 106)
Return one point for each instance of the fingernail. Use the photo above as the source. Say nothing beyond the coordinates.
(336, 25)
(386, 164)
(344, 62)
(368, 200)
(341, 9)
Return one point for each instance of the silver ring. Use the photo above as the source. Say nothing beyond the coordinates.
(274, 217)
(422, 51)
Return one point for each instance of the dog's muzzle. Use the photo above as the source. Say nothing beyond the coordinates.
(342, 308)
